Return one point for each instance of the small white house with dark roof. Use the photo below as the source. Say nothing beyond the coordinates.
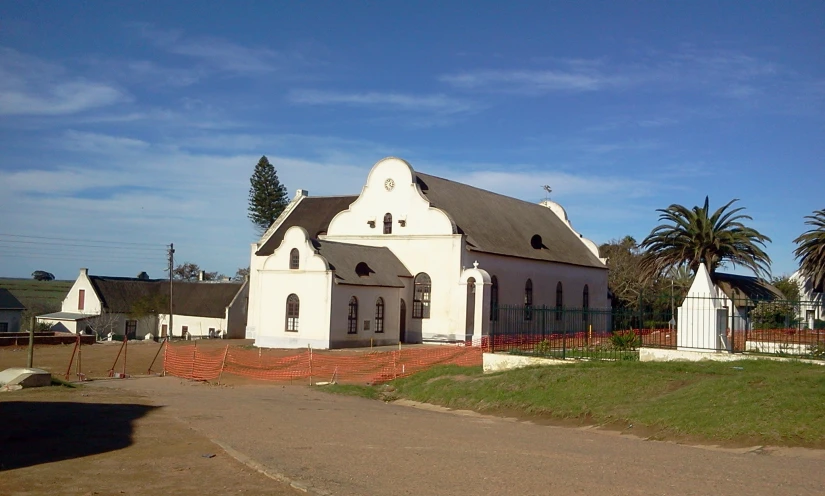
(11, 312)
(124, 306)
(412, 258)
(811, 305)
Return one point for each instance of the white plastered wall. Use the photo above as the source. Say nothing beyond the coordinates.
(198, 327)
(425, 243)
(367, 297)
(275, 281)
(91, 304)
(512, 274)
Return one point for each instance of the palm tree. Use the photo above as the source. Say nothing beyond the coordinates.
(811, 248)
(694, 236)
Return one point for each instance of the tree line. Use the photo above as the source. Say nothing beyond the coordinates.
(652, 274)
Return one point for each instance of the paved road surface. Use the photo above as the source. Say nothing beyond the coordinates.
(351, 446)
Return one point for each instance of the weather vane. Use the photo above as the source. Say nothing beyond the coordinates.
(548, 189)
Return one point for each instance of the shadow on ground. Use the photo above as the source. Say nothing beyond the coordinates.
(32, 432)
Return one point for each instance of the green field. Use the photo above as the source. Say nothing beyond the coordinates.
(743, 403)
(39, 297)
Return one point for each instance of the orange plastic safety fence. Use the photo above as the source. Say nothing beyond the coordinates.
(190, 362)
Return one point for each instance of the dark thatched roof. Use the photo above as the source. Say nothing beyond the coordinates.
(503, 225)
(749, 288)
(363, 265)
(8, 301)
(119, 295)
(313, 214)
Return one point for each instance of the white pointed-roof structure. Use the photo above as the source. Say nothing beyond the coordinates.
(702, 317)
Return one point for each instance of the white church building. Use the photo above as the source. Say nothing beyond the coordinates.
(413, 258)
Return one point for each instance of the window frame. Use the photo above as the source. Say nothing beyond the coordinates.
(387, 223)
(294, 259)
(559, 300)
(493, 299)
(352, 316)
(422, 298)
(81, 299)
(293, 313)
(379, 315)
(528, 300)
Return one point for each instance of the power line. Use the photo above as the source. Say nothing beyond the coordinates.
(79, 239)
(15, 242)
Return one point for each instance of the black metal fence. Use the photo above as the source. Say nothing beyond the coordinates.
(701, 324)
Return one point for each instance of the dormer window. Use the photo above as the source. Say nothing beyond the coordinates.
(536, 243)
(294, 259)
(388, 223)
(363, 270)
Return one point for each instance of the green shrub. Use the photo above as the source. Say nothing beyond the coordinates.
(542, 348)
(624, 340)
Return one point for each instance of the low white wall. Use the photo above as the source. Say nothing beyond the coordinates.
(495, 362)
(772, 347)
(666, 355)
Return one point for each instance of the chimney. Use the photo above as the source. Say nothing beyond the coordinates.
(84, 272)
(200, 275)
(301, 192)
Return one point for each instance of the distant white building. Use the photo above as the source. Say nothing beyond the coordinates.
(101, 304)
(811, 299)
(412, 258)
(11, 312)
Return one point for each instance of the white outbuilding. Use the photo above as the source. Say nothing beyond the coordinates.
(413, 258)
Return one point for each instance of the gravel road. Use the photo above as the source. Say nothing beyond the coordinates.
(351, 446)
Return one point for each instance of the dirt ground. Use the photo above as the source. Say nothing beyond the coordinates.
(96, 360)
(106, 441)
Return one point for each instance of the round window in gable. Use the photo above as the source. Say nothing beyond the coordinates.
(536, 243)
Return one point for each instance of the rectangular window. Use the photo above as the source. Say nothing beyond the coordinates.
(81, 299)
(184, 330)
(4, 327)
(131, 329)
(164, 329)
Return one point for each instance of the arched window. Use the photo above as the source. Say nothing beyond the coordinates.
(388, 223)
(352, 319)
(493, 298)
(292, 311)
(559, 300)
(528, 300)
(379, 315)
(586, 304)
(294, 258)
(421, 296)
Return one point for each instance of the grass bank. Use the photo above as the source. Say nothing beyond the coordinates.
(742, 403)
(38, 297)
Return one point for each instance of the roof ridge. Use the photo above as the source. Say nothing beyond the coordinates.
(484, 190)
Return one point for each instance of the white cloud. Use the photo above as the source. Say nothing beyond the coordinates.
(532, 81)
(417, 103)
(721, 73)
(30, 86)
(217, 53)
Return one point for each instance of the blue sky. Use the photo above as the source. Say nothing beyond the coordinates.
(141, 122)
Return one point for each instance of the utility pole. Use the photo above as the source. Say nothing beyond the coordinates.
(171, 267)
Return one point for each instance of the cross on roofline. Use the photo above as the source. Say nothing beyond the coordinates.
(548, 189)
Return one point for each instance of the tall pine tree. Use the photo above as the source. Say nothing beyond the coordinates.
(267, 196)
